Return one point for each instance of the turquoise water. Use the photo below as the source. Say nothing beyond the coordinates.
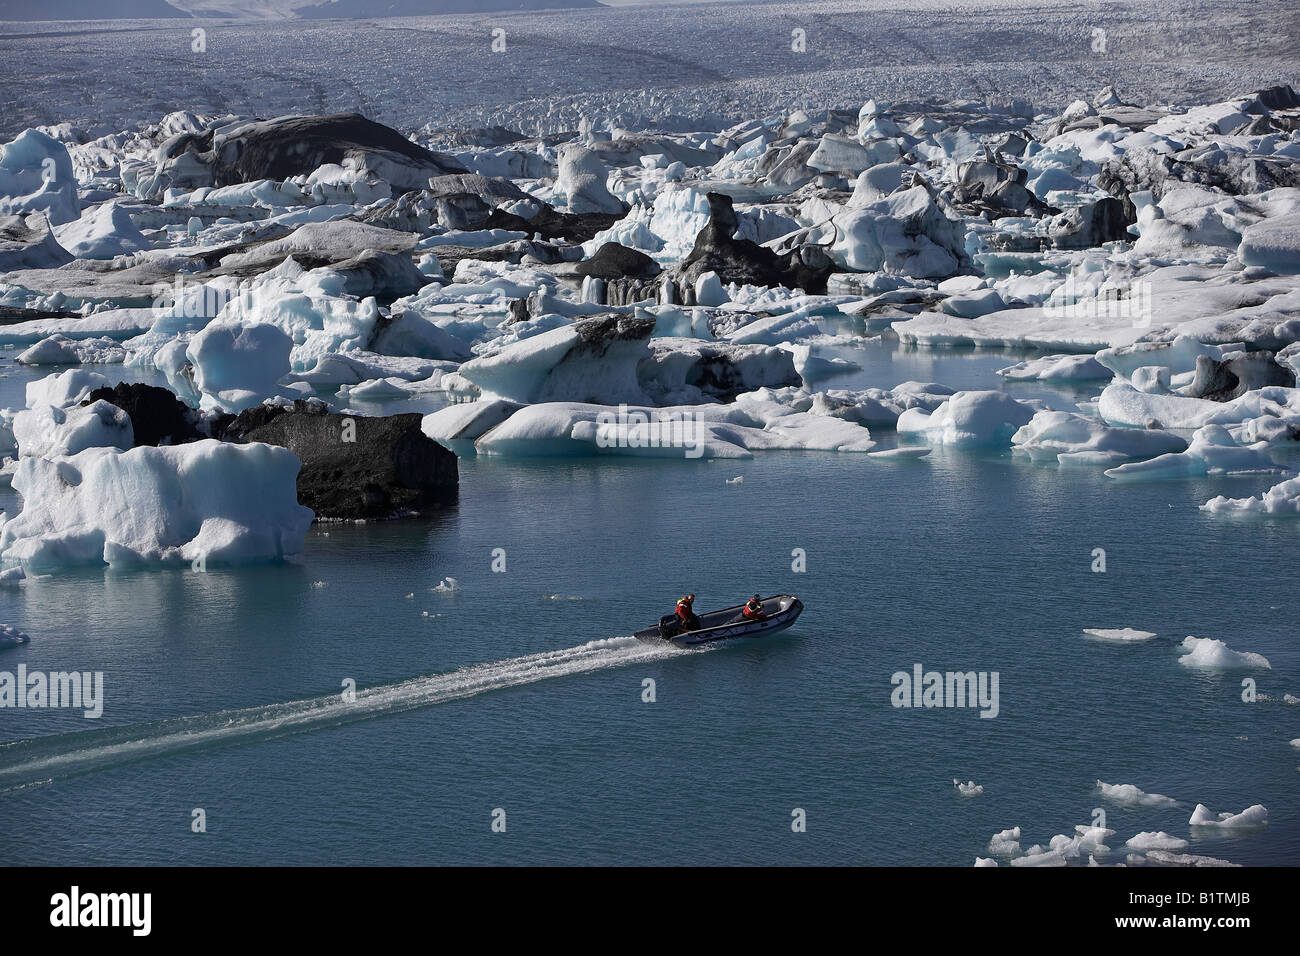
(962, 561)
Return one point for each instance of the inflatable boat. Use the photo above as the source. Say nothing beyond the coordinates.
(781, 610)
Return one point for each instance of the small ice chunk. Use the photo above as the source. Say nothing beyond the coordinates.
(1165, 858)
(1253, 816)
(968, 789)
(1156, 840)
(1206, 652)
(901, 453)
(1121, 634)
(1129, 795)
(1006, 843)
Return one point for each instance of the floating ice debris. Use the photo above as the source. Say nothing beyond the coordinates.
(985, 861)
(1119, 634)
(11, 575)
(1166, 858)
(319, 584)
(1006, 843)
(1093, 839)
(10, 636)
(738, 480)
(1057, 368)
(968, 789)
(410, 596)
(1253, 816)
(1037, 856)
(1156, 840)
(971, 418)
(1207, 653)
(446, 585)
(1129, 795)
(1282, 499)
(902, 452)
(1211, 452)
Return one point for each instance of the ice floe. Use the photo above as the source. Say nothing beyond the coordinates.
(1210, 654)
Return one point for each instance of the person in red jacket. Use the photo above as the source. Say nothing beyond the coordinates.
(753, 609)
(686, 613)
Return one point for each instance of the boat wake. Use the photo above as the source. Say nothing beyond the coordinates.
(40, 760)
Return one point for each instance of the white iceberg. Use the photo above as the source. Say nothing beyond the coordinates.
(1253, 816)
(1212, 452)
(1209, 654)
(968, 419)
(48, 432)
(1129, 795)
(237, 366)
(1282, 499)
(1156, 840)
(207, 501)
(1123, 635)
(1072, 439)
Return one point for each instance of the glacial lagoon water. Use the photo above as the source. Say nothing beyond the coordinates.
(522, 690)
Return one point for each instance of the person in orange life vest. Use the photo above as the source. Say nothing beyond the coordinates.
(753, 609)
(686, 613)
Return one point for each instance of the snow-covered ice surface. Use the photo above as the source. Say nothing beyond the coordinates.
(622, 62)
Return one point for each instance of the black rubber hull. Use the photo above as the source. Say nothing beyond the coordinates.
(727, 624)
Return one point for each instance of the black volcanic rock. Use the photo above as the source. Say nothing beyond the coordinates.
(1088, 226)
(742, 261)
(157, 415)
(244, 152)
(553, 224)
(615, 261)
(1222, 381)
(390, 468)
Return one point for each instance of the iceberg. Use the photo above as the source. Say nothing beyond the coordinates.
(968, 419)
(906, 233)
(1156, 840)
(1208, 654)
(590, 360)
(1123, 635)
(237, 366)
(1253, 816)
(1072, 439)
(1211, 452)
(1129, 795)
(48, 432)
(1282, 499)
(102, 232)
(201, 503)
(36, 175)
(61, 350)
(1057, 368)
